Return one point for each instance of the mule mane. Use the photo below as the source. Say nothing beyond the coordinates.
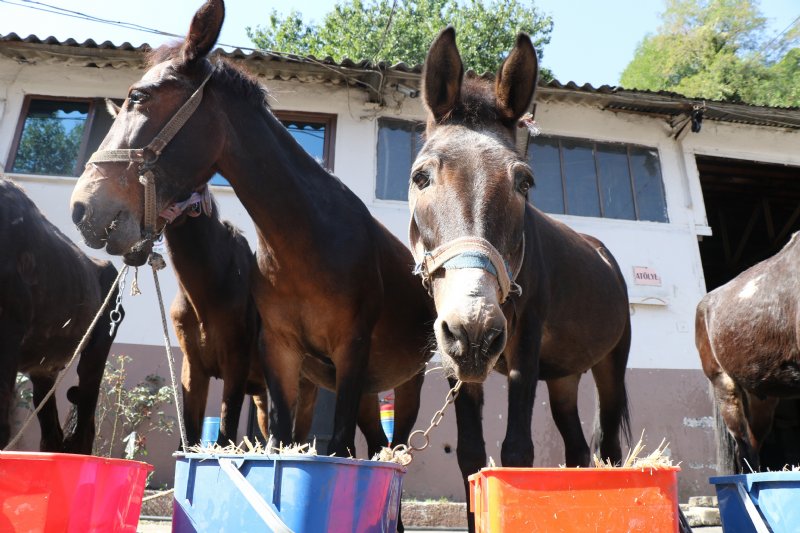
(243, 84)
(476, 106)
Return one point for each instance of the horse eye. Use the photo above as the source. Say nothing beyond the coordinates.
(137, 97)
(421, 178)
(524, 186)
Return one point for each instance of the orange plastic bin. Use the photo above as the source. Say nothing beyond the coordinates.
(59, 492)
(575, 500)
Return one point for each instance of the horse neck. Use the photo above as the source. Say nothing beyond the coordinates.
(199, 249)
(292, 200)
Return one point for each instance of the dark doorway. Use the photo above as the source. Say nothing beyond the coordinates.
(753, 209)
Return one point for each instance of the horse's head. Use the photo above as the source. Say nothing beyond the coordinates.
(467, 195)
(164, 133)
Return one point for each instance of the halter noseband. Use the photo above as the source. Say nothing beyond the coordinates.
(464, 252)
(147, 158)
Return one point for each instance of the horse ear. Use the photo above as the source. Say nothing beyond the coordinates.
(203, 32)
(112, 108)
(516, 80)
(442, 74)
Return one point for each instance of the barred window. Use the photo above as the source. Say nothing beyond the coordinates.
(399, 142)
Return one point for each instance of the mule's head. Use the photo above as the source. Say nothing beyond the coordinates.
(108, 200)
(467, 194)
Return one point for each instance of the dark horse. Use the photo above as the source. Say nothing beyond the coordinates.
(748, 335)
(215, 315)
(514, 289)
(335, 292)
(49, 294)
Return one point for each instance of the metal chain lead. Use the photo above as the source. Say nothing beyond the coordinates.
(410, 448)
(115, 315)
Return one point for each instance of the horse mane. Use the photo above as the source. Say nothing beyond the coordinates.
(243, 84)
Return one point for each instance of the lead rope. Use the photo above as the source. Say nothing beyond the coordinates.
(157, 263)
(409, 448)
(81, 345)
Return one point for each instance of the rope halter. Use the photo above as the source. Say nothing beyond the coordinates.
(464, 252)
(147, 157)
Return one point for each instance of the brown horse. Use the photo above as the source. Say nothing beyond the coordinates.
(218, 326)
(749, 343)
(214, 315)
(335, 292)
(514, 289)
(49, 293)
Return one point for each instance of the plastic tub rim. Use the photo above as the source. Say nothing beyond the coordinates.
(294, 458)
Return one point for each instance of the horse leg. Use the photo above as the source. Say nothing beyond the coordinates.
(612, 398)
(564, 408)
(10, 341)
(406, 408)
(522, 363)
(730, 402)
(282, 369)
(232, 399)
(52, 438)
(304, 412)
(194, 385)
(369, 422)
(261, 401)
(351, 361)
(470, 447)
(761, 413)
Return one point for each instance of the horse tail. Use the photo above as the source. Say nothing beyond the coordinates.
(726, 446)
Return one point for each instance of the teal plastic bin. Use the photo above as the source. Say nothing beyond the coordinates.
(280, 493)
(766, 502)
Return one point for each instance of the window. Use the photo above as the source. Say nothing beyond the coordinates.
(314, 131)
(587, 178)
(399, 141)
(56, 135)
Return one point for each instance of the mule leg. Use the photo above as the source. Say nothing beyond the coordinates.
(523, 375)
(470, 447)
(231, 409)
(304, 412)
(563, 394)
(194, 385)
(52, 438)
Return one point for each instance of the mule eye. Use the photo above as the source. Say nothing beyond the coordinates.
(137, 97)
(524, 186)
(421, 178)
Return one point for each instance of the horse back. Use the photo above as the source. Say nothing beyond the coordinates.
(752, 324)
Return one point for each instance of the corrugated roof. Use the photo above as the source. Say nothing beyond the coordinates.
(671, 106)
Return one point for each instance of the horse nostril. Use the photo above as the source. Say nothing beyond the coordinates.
(455, 336)
(495, 341)
(78, 212)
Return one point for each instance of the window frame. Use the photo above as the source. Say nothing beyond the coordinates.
(328, 119)
(416, 123)
(631, 178)
(87, 128)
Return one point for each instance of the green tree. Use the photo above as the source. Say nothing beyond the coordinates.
(381, 30)
(720, 50)
(46, 147)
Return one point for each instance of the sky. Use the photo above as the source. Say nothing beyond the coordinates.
(592, 40)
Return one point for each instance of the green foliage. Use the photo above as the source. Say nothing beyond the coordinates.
(357, 29)
(126, 414)
(46, 147)
(718, 49)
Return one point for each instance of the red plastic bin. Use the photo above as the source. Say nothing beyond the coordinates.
(575, 500)
(58, 492)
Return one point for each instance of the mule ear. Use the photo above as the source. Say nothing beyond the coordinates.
(203, 32)
(442, 74)
(516, 80)
(112, 108)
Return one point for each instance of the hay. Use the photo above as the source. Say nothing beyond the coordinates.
(398, 454)
(246, 447)
(656, 459)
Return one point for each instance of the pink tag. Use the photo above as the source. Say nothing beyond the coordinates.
(646, 276)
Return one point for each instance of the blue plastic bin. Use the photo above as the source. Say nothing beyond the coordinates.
(301, 494)
(759, 503)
